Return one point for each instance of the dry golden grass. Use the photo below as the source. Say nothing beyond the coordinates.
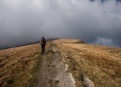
(19, 68)
(101, 64)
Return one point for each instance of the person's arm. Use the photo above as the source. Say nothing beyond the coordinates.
(40, 41)
(45, 42)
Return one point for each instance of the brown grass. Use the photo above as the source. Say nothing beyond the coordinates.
(100, 63)
(19, 68)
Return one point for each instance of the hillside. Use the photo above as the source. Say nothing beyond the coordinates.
(66, 63)
(19, 68)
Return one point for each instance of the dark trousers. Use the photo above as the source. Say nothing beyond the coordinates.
(43, 48)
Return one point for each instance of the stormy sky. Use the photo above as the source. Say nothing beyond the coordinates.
(93, 21)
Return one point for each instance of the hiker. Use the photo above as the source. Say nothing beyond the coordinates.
(43, 43)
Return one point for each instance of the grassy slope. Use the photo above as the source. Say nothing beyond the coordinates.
(19, 68)
(100, 63)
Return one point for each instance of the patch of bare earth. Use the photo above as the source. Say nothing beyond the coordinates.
(64, 78)
(19, 68)
(53, 71)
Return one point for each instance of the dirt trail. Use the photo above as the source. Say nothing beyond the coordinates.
(43, 74)
(53, 71)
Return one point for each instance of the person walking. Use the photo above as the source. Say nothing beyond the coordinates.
(43, 43)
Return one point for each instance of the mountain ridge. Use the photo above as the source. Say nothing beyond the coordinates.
(92, 64)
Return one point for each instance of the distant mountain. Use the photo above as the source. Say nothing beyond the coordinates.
(118, 0)
(107, 0)
(29, 43)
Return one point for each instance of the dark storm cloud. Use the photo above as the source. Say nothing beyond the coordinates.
(28, 21)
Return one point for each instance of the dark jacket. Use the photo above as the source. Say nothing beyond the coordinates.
(43, 41)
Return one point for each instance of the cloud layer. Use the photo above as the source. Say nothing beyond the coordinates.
(93, 22)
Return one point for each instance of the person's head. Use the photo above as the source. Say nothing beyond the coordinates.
(43, 38)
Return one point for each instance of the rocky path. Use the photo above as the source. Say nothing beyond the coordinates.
(53, 71)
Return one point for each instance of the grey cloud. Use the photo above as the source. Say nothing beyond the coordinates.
(93, 22)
